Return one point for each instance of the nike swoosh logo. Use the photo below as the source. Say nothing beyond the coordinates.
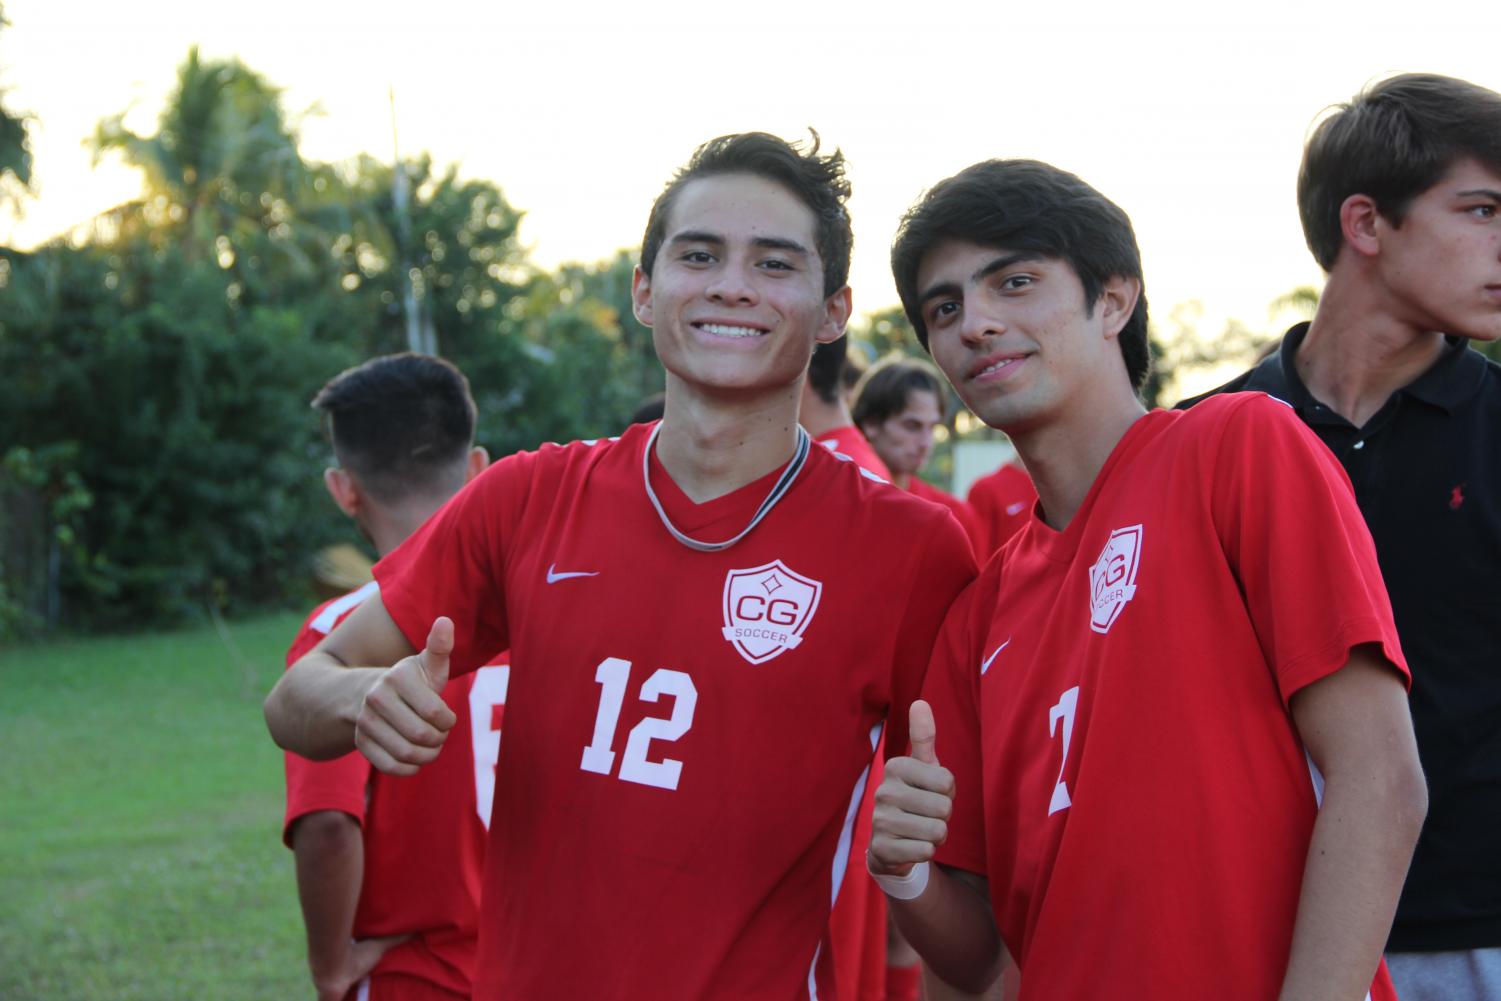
(985, 665)
(1015, 509)
(553, 576)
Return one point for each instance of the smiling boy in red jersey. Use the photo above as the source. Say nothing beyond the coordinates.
(1179, 759)
(379, 927)
(718, 625)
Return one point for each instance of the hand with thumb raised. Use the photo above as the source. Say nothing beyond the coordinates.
(404, 720)
(913, 802)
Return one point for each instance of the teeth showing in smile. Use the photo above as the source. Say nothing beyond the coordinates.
(721, 330)
(999, 365)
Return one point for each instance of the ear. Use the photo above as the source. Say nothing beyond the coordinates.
(344, 490)
(476, 463)
(641, 296)
(836, 315)
(1117, 302)
(1360, 225)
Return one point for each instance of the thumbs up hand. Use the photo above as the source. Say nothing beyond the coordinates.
(913, 802)
(404, 720)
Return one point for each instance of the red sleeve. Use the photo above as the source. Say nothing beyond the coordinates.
(1286, 515)
(953, 690)
(454, 565)
(944, 564)
(321, 785)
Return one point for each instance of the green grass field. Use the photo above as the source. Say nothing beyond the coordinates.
(140, 815)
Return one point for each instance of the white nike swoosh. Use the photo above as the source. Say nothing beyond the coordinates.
(553, 576)
(985, 665)
(1015, 509)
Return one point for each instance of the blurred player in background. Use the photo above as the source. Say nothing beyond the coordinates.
(1001, 503)
(387, 918)
(897, 405)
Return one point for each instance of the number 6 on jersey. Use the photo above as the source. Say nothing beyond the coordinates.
(614, 674)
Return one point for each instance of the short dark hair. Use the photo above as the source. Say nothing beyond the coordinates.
(1032, 207)
(826, 368)
(402, 424)
(885, 387)
(817, 181)
(1392, 142)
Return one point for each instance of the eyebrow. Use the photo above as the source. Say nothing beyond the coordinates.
(763, 242)
(998, 264)
(1490, 193)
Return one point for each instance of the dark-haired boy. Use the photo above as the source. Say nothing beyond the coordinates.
(715, 619)
(386, 919)
(1400, 196)
(1144, 699)
(898, 403)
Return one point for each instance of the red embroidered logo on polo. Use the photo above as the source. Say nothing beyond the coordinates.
(1112, 579)
(767, 608)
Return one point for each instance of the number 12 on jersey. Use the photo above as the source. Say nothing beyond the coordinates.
(614, 675)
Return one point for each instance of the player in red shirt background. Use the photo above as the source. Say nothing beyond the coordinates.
(712, 623)
(824, 414)
(1172, 710)
(378, 927)
(898, 403)
(1001, 503)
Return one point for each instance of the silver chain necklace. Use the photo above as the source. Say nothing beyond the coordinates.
(783, 484)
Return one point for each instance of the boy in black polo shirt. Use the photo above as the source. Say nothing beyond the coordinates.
(1400, 197)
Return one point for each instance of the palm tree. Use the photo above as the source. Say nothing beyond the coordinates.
(223, 166)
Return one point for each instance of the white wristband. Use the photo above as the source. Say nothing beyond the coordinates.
(908, 887)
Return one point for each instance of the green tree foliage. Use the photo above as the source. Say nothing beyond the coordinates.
(1182, 350)
(222, 165)
(187, 419)
(156, 419)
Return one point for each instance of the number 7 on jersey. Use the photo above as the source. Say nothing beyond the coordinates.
(1068, 704)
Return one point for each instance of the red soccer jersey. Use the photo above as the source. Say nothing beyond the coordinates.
(693, 730)
(409, 887)
(849, 441)
(1112, 700)
(1002, 503)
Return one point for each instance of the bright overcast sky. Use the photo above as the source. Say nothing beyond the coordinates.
(1191, 118)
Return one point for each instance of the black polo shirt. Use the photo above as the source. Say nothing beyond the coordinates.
(1427, 475)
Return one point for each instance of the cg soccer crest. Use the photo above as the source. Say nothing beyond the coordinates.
(1112, 579)
(766, 609)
